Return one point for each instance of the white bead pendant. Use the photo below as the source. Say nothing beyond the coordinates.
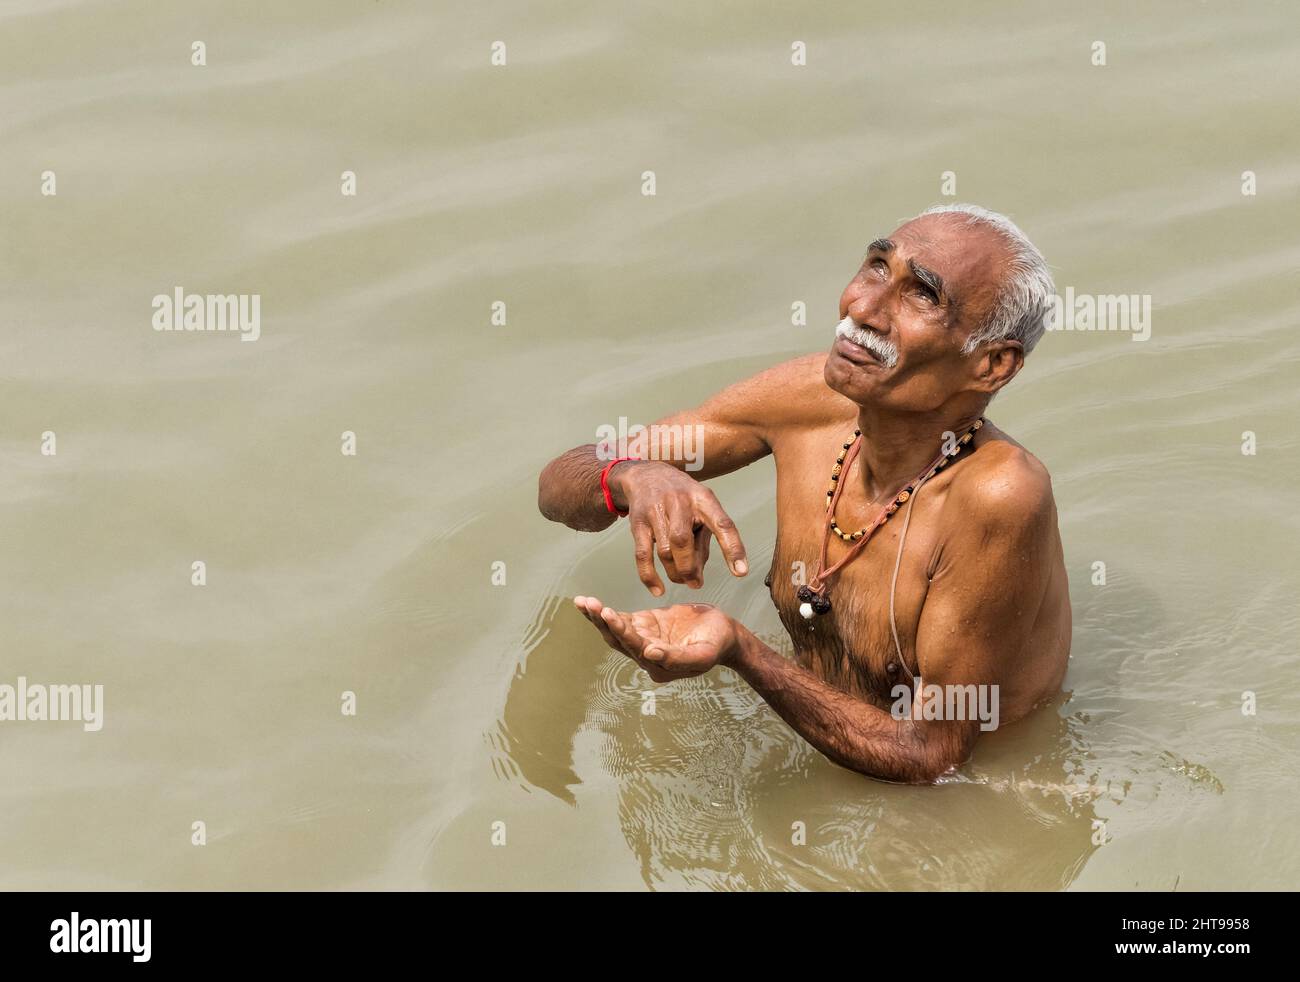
(806, 610)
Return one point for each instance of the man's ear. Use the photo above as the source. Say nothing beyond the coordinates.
(999, 363)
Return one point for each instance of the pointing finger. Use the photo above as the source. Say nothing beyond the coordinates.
(645, 559)
(725, 531)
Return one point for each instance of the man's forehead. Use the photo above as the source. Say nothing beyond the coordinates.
(950, 246)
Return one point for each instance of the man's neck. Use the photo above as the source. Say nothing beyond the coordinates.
(897, 447)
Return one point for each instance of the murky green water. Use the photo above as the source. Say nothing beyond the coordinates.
(480, 704)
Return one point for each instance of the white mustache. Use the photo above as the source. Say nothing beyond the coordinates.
(886, 351)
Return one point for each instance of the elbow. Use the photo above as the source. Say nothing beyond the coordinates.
(894, 772)
(928, 771)
(919, 772)
(556, 501)
(911, 760)
(546, 499)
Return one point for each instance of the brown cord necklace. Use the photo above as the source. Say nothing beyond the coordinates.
(814, 598)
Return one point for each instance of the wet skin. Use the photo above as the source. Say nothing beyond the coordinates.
(981, 594)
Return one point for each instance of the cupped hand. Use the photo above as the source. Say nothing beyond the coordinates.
(670, 643)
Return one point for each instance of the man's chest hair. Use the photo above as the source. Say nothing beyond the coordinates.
(852, 646)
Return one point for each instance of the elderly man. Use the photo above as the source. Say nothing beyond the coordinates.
(917, 549)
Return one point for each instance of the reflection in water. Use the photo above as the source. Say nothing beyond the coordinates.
(546, 704)
(713, 784)
(716, 791)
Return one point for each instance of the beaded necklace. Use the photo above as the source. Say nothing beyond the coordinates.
(814, 598)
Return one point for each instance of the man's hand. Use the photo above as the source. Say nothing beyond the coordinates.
(670, 643)
(672, 515)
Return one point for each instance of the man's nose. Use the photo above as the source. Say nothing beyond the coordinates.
(868, 311)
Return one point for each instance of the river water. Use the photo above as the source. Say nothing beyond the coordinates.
(495, 743)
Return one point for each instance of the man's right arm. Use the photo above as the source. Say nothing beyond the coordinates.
(671, 514)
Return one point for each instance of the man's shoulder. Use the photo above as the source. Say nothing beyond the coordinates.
(796, 391)
(805, 371)
(1005, 486)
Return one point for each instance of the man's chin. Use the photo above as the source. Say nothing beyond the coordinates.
(850, 379)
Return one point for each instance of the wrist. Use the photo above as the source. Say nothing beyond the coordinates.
(615, 481)
(743, 649)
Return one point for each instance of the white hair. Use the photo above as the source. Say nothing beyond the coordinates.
(1024, 300)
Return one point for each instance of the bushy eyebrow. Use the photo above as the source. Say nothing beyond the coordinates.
(924, 274)
(927, 276)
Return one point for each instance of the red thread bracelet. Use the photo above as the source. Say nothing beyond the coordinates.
(604, 486)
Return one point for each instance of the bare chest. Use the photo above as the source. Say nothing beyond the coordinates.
(852, 646)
